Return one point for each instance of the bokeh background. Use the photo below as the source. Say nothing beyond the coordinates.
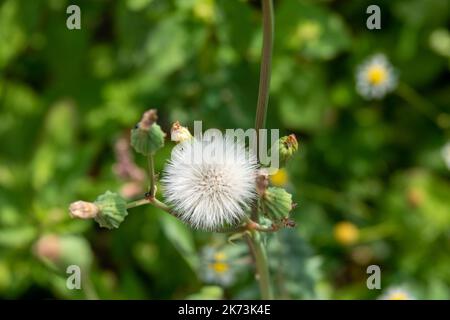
(370, 177)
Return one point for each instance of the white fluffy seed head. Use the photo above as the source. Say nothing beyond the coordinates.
(210, 183)
(375, 77)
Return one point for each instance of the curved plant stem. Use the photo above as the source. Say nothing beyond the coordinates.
(151, 175)
(249, 226)
(254, 240)
(262, 269)
(89, 290)
(150, 200)
(266, 65)
(418, 102)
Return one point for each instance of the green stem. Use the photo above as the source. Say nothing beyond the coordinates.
(254, 241)
(249, 226)
(153, 201)
(89, 290)
(266, 66)
(151, 175)
(262, 269)
(416, 101)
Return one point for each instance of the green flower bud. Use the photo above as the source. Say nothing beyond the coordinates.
(112, 210)
(287, 146)
(147, 137)
(276, 204)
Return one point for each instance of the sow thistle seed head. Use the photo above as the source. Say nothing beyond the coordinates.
(210, 183)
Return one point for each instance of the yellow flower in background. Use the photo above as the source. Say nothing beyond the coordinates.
(307, 31)
(216, 267)
(219, 265)
(375, 77)
(220, 256)
(396, 294)
(204, 10)
(280, 178)
(346, 233)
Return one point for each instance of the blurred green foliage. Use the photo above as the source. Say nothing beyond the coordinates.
(66, 96)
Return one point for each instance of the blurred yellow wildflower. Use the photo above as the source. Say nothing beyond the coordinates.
(219, 267)
(204, 10)
(280, 178)
(346, 233)
(216, 267)
(306, 31)
(376, 75)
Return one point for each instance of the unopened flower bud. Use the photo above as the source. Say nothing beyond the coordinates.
(276, 204)
(179, 133)
(83, 210)
(113, 210)
(147, 137)
(287, 146)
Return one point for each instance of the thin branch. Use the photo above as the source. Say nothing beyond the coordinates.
(153, 201)
(151, 175)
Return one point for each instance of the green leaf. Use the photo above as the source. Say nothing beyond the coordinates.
(181, 237)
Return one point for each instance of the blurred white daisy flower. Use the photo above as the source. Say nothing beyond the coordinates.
(446, 154)
(375, 77)
(210, 182)
(396, 294)
(216, 267)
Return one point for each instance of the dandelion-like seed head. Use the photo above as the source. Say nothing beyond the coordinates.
(210, 183)
(375, 77)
